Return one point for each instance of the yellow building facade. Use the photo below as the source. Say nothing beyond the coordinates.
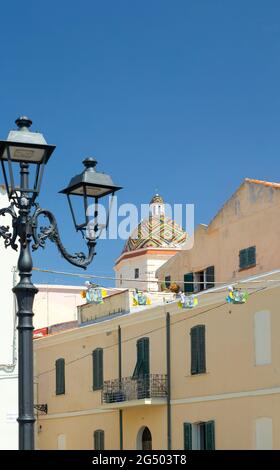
(163, 377)
(250, 218)
(238, 391)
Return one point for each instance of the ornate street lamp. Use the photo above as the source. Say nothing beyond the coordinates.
(30, 152)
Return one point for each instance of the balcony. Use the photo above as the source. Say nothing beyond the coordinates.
(148, 390)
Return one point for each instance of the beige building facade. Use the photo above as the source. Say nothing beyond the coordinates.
(250, 218)
(163, 377)
(233, 402)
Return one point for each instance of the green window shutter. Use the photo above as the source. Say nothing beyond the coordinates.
(137, 370)
(143, 358)
(247, 257)
(146, 356)
(188, 278)
(143, 355)
(99, 438)
(96, 440)
(198, 356)
(242, 259)
(194, 350)
(251, 255)
(210, 277)
(201, 350)
(100, 368)
(60, 376)
(94, 370)
(97, 362)
(187, 436)
(210, 435)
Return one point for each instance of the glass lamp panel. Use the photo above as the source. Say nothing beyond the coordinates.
(91, 191)
(77, 211)
(25, 154)
(19, 153)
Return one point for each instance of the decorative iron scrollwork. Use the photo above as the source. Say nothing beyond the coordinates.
(9, 235)
(40, 235)
(42, 408)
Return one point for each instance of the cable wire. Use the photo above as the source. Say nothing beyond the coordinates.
(114, 278)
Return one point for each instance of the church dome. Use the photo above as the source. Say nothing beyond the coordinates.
(157, 231)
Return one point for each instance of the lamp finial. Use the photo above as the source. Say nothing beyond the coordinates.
(90, 163)
(23, 121)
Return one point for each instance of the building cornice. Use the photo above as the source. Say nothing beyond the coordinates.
(181, 401)
(147, 251)
(227, 396)
(73, 414)
(58, 288)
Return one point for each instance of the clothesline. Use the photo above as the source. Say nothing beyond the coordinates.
(158, 281)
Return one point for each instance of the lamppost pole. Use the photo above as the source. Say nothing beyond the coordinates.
(25, 148)
(25, 292)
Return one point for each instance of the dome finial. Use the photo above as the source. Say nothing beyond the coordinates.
(157, 199)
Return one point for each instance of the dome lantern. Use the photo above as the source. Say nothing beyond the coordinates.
(157, 206)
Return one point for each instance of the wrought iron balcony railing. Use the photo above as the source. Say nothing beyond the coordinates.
(128, 388)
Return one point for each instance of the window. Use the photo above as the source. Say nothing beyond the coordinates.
(97, 364)
(210, 277)
(60, 376)
(142, 367)
(188, 282)
(99, 439)
(136, 273)
(198, 354)
(199, 280)
(199, 436)
(247, 257)
(264, 437)
(262, 336)
(61, 442)
(167, 281)
(120, 279)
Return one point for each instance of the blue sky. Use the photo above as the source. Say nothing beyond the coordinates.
(180, 95)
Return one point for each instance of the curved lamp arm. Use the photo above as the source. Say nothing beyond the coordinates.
(51, 232)
(5, 232)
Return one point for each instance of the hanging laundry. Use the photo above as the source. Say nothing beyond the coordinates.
(237, 296)
(187, 301)
(140, 298)
(95, 295)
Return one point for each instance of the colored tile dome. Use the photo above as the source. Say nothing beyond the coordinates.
(156, 232)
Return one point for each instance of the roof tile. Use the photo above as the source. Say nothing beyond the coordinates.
(264, 183)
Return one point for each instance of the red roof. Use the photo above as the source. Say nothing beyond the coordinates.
(264, 183)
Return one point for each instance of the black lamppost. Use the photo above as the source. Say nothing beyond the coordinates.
(29, 152)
